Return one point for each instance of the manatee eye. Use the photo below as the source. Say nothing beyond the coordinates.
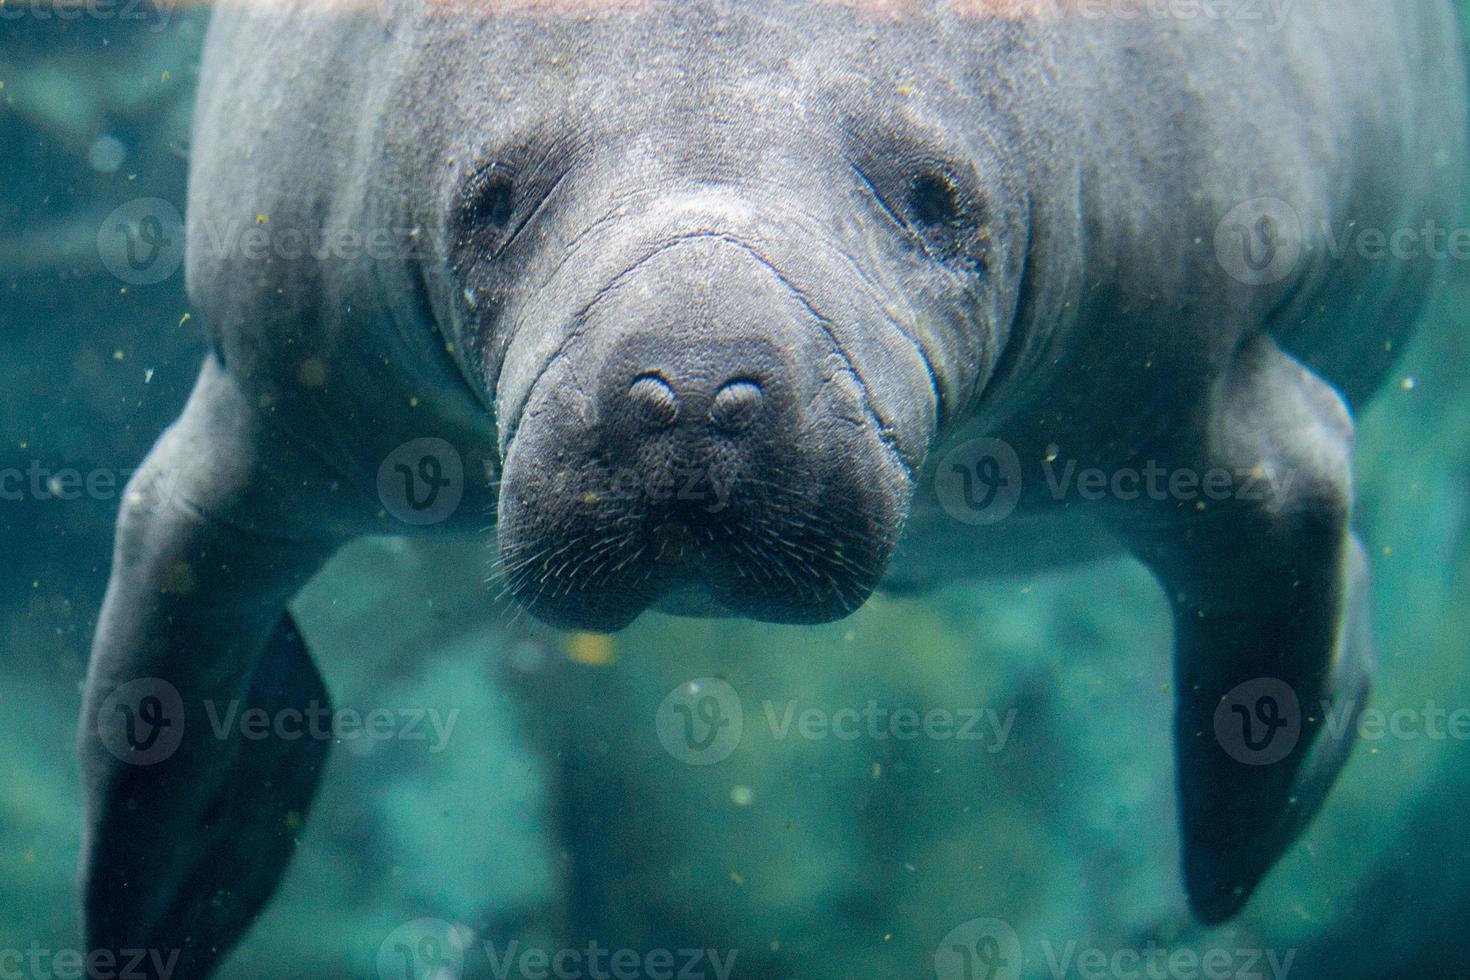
(933, 198)
(947, 214)
(492, 199)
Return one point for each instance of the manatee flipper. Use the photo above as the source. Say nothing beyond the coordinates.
(1272, 642)
(189, 823)
(251, 827)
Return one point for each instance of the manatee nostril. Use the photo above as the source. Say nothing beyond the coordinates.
(736, 406)
(654, 401)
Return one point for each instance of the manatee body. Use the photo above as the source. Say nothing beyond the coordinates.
(792, 259)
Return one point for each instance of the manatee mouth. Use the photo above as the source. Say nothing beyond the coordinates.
(592, 546)
(706, 447)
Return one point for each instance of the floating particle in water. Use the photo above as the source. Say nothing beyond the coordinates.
(592, 649)
(527, 656)
(742, 795)
(311, 373)
(178, 579)
(107, 154)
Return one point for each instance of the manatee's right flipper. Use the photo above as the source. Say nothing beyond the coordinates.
(1272, 643)
(189, 823)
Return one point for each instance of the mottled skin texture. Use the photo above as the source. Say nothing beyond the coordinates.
(905, 225)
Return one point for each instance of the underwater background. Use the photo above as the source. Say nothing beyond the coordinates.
(547, 810)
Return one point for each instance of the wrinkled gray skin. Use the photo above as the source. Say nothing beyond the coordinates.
(792, 252)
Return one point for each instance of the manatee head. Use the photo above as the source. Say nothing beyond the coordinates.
(724, 294)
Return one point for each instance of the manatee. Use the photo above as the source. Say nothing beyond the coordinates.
(729, 308)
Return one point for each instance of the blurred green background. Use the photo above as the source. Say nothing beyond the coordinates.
(554, 815)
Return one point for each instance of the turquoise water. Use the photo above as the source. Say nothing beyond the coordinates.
(544, 813)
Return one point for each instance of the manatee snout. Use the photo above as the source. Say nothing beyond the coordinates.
(702, 443)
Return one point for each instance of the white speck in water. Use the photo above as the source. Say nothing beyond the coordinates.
(107, 154)
(527, 656)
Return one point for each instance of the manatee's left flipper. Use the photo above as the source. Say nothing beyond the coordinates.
(202, 737)
(252, 826)
(1272, 642)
